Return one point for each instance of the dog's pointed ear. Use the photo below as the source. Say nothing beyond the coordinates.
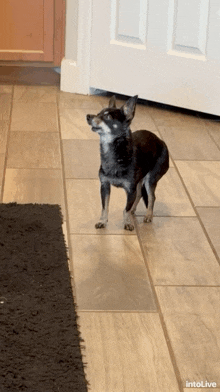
(129, 108)
(112, 102)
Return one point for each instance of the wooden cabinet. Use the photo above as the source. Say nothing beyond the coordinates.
(32, 31)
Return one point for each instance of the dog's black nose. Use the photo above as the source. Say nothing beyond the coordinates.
(89, 118)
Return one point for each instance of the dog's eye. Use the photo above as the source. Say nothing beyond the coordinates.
(108, 116)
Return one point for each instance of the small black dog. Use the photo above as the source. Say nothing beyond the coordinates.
(134, 161)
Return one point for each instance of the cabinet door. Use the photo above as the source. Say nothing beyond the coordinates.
(26, 30)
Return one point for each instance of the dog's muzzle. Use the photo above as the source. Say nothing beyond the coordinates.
(94, 121)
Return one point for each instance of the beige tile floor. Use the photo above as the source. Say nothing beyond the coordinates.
(148, 301)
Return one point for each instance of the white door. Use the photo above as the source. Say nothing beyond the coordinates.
(163, 50)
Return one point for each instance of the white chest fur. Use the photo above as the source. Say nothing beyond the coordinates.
(105, 141)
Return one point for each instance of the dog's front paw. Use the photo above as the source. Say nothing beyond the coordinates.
(128, 226)
(148, 218)
(100, 225)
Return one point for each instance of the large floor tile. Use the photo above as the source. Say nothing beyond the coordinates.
(34, 150)
(4, 127)
(84, 206)
(81, 158)
(32, 94)
(202, 180)
(178, 252)
(126, 353)
(74, 125)
(211, 220)
(171, 197)
(34, 186)
(192, 319)
(34, 116)
(110, 273)
(190, 143)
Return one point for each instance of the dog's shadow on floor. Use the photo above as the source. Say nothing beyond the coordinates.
(161, 209)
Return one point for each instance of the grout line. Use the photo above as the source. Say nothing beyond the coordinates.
(7, 146)
(186, 285)
(104, 234)
(207, 207)
(38, 132)
(118, 311)
(35, 168)
(196, 160)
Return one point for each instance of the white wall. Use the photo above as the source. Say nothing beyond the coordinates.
(75, 67)
(71, 29)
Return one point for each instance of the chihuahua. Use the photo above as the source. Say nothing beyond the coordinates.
(134, 161)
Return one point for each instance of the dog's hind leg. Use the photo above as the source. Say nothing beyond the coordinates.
(150, 187)
(151, 180)
(138, 197)
(105, 196)
(131, 196)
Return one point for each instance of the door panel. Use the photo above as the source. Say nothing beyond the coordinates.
(191, 26)
(26, 30)
(165, 51)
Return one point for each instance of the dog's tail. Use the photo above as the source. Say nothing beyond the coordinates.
(144, 195)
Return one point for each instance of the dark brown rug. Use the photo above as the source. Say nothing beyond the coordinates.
(39, 337)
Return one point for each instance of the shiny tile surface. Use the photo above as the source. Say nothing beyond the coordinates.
(79, 101)
(190, 143)
(202, 180)
(81, 158)
(174, 117)
(34, 116)
(110, 274)
(74, 125)
(34, 186)
(134, 351)
(178, 252)
(34, 150)
(192, 319)
(32, 94)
